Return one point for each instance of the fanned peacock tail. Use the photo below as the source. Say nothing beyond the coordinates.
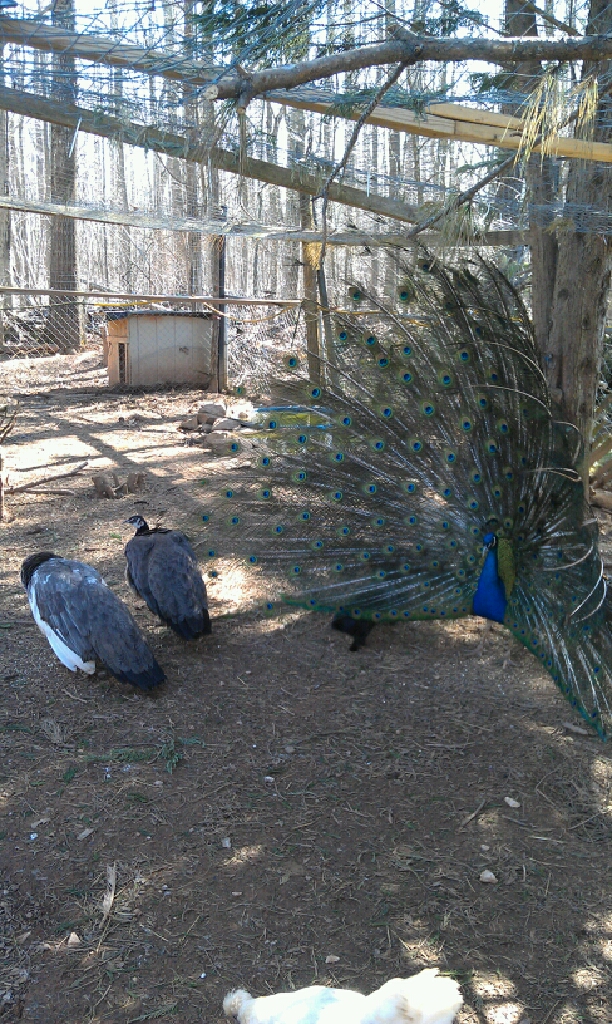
(369, 490)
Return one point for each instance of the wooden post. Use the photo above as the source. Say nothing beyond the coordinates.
(222, 333)
(311, 252)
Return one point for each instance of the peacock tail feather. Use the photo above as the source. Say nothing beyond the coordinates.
(368, 491)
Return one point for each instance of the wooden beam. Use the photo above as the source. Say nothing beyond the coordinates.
(106, 50)
(464, 124)
(216, 228)
(32, 105)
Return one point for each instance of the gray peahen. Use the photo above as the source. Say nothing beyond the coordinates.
(423, 476)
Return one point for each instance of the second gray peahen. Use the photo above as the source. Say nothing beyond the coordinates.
(422, 475)
(163, 569)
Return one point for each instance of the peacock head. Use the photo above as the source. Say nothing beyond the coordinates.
(138, 522)
(490, 542)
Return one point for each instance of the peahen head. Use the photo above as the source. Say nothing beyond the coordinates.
(138, 522)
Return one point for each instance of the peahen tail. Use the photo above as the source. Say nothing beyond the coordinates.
(369, 491)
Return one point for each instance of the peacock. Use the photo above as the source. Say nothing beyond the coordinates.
(420, 473)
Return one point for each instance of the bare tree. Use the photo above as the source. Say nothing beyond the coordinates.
(64, 325)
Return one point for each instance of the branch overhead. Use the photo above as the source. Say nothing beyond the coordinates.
(402, 47)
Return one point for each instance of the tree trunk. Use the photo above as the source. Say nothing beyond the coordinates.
(5, 215)
(582, 279)
(64, 322)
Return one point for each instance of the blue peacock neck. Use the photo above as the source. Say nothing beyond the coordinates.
(490, 597)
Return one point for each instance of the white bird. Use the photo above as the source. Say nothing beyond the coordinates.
(426, 998)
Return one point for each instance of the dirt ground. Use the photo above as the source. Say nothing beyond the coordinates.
(282, 812)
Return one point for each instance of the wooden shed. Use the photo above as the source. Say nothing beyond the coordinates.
(159, 347)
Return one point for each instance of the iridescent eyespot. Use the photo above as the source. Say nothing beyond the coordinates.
(416, 445)
(378, 446)
(235, 520)
(338, 457)
(427, 409)
(296, 570)
(229, 494)
(211, 553)
(344, 531)
(386, 412)
(336, 495)
(272, 425)
(346, 421)
(466, 424)
(370, 488)
(305, 516)
(302, 438)
(451, 457)
(407, 350)
(383, 362)
(371, 340)
(265, 460)
(253, 559)
(355, 293)
(503, 427)
(279, 529)
(265, 493)
(205, 519)
(407, 378)
(463, 355)
(315, 392)
(342, 335)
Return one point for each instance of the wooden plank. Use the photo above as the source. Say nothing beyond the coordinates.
(474, 114)
(298, 178)
(156, 222)
(431, 126)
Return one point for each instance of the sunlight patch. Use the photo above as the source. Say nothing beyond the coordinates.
(244, 855)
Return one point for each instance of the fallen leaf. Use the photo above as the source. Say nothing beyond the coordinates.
(331, 959)
(511, 802)
(83, 835)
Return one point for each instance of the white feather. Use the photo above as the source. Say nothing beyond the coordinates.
(61, 649)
